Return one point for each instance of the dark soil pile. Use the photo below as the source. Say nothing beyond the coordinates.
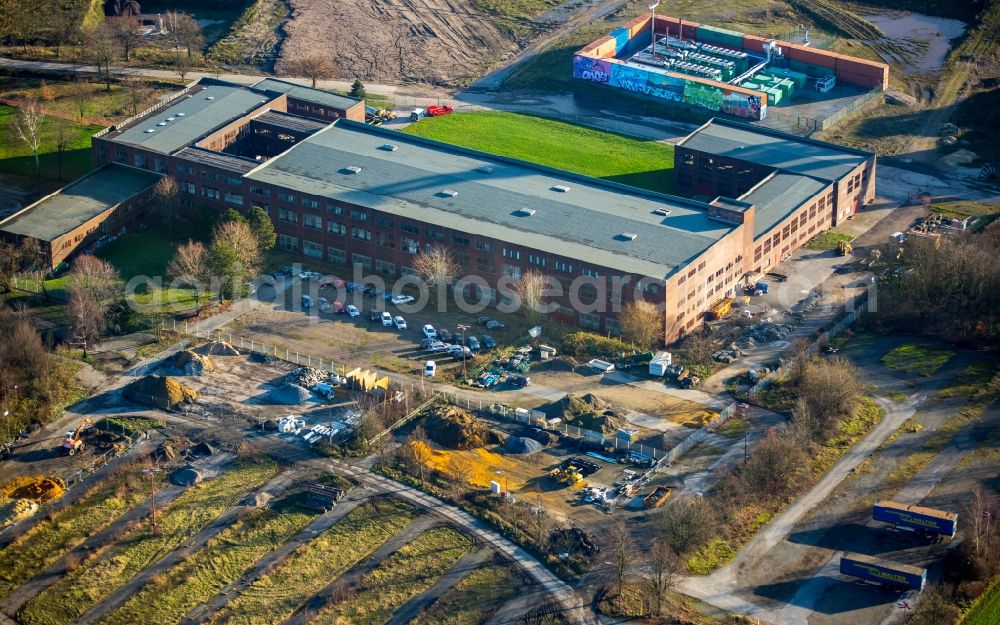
(454, 428)
(588, 412)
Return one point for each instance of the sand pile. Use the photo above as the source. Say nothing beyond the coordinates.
(522, 445)
(587, 411)
(13, 511)
(454, 428)
(160, 392)
(477, 467)
(187, 362)
(290, 394)
(37, 488)
(217, 348)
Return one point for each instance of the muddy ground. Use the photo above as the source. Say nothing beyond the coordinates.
(440, 42)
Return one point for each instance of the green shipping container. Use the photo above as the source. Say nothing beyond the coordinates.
(774, 96)
(814, 71)
(720, 37)
(787, 87)
(797, 77)
(750, 85)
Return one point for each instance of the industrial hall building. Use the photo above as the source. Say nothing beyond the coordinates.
(355, 195)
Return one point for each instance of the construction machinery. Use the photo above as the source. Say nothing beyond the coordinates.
(721, 308)
(72, 442)
(568, 475)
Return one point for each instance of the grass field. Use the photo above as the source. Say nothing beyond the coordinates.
(275, 596)
(223, 560)
(140, 254)
(644, 164)
(16, 158)
(917, 359)
(65, 529)
(473, 599)
(413, 569)
(987, 609)
(828, 240)
(93, 581)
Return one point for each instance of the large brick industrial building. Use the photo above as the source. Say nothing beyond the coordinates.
(355, 195)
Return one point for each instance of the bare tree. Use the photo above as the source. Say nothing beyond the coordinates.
(662, 571)
(622, 552)
(437, 266)
(80, 95)
(982, 511)
(831, 389)
(774, 467)
(698, 346)
(685, 524)
(136, 91)
(62, 135)
(97, 277)
(65, 29)
(183, 31)
(190, 265)
(127, 31)
(314, 67)
(642, 324)
(419, 452)
(165, 194)
(10, 263)
(28, 126)
(460, 468)
(182, 65)
(100, 44)
(126, 7)
(89, 321)
(541, 522)
(531, 289)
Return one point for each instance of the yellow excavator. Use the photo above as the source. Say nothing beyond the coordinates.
(570, 475)
(73, 443)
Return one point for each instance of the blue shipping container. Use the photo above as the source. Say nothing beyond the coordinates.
(917, 518)
(886, 573)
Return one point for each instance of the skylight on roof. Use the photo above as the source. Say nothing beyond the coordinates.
(388, 147)
(150, 130)
(561, 188)
(181, 114)
(628, 236)
(525, 212)
(448, 193)
(661, 211)
(351, 169)
(485, 169)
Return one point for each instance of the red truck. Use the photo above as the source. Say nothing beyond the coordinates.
(437, 111)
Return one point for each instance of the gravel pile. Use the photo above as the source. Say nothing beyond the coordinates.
(290, 394)
(307, 377)
(768, 332)
(218, 348)
(522, 445)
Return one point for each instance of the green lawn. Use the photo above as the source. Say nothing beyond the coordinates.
(141, 254)
(917, 359)
(16, 158)
(828, 240)
(644, 164)
(987, 608)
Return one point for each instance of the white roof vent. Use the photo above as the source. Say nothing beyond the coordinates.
(485, 169)
(351, 169)
(162, 124)
(150, 130)
(181, 114)
(628, 236)
(524, 212)
(170, 119)
(448, 193)
(661, 211)
(388, 147)
(561, 188)
(210, 97)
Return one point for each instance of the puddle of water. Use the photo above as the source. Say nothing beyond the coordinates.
(934, 33)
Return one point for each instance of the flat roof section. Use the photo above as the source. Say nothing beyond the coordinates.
(307, 94)
(574, 216)
(774, 149)
(290, 122)
(208, 107)
(72, 206)
(222, 160)
(778, 196)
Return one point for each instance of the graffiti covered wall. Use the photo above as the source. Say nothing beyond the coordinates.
(589, 68)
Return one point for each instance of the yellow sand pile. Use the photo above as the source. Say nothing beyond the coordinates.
(159, 391)
(479, 466)
(13, 511)
(38, 489)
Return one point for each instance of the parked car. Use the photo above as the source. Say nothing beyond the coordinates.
(307, 302)
(401, 299)
(473, 343)
(435, 346)
(399, 322)
(430, 369)
(369, 289)
(519, 380)
(386, 320)
(483, 320)
(444, 335)
(338, 308)
(351, 287)
(488, 342)
(465, 354)
(324, 305)
(374, 315)
(495, 325)
(430, 332)
(454, 349)
(352, 311)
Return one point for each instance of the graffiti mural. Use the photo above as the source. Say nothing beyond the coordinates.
(741, 104)
(665, 87)
(587, 68)
(628, 78)
(705, 96)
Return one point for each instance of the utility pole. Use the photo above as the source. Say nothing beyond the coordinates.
(462, 328)
(652, 25)
(151, 472)
(742, 411)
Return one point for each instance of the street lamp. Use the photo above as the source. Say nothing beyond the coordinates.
(462, 328)
(652, 25)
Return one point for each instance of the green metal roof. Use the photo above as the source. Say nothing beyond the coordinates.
(81, 201)
(778, 196)
(776, 149)
(470, 191)
(209, 106)
(307, 94)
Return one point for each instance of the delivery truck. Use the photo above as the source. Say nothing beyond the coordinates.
(917, 519)
(875, 571)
